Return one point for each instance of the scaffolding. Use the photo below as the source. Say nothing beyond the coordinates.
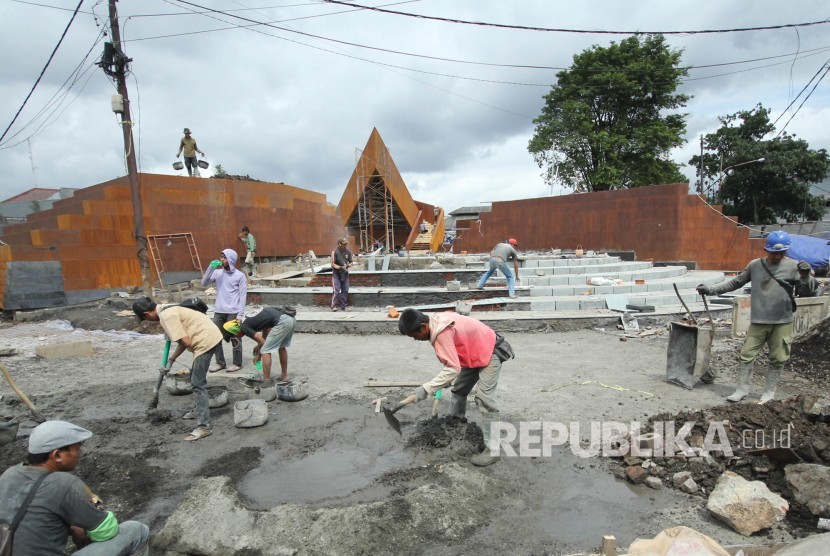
(375, 206)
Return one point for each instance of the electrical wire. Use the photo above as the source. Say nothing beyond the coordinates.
(43, 71)
(579, 31)
(826, 70)
(63, 91)
(799, 94)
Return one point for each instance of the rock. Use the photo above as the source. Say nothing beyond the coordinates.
(636, 474)
(656, 470)
(631, 460)
(689, 486)
(680, 478)
(820, 445)
(654, 482)
(746, 506)
(435, 265)
(811, 486)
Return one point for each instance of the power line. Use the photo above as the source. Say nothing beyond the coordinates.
(799, 94)
(39, 77)
(827, 69)
(582, 31)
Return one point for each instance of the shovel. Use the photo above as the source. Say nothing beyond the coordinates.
(154, 403)
(390, 414)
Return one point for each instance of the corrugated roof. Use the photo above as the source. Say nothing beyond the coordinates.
(472, 210)
(34, 194)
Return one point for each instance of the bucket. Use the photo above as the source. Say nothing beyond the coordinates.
(579, 251)
(178, 384)
(688, 354)
(8, 431)
(260, 390)
(178, 165)
(217, 396)
(250, 413)
(203, 164)
(290, 391)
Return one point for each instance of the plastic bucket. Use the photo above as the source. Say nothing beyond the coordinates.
(217, 396)
(264, 390)
(203, 164)
(290, 391)
(178, 385)
(178, 165)
(250, 413)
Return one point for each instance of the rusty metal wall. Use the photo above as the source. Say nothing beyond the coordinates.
(661, 223)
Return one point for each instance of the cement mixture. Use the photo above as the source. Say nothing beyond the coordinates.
(329, 476)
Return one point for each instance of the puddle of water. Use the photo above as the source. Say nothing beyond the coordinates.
(324, 474)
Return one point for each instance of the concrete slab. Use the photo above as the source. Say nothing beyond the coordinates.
(65, 349)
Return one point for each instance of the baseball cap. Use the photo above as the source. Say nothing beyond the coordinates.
(52, 435)
(512, 241)
(142, 306)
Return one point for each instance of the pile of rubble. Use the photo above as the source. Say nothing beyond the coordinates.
(811, 352)
(755, 464)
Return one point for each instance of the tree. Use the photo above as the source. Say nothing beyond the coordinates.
(760, 192)
(219, 172)
(605, 124)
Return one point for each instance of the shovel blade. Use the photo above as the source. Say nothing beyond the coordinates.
(392, 420)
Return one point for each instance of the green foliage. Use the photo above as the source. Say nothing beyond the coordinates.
(605, 123)
(219, 172)
(760, 192)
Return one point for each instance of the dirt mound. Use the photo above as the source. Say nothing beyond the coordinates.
(763, 438)
(811, 352)
(464, 438)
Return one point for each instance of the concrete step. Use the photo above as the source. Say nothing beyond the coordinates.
(589, 269)
(684, 281)
(626, 274)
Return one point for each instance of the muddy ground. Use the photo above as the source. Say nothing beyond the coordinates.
(330, 460)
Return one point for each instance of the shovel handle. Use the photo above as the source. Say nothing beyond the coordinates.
(708, 314)
(35, 413)
(691, 316)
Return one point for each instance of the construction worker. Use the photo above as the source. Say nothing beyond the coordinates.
(472, 354)
(272, 330)
(247, 238)
(810, 287)
(773, 279)
(188, 145)
(499, 256)
(231, 296)
(341, 262)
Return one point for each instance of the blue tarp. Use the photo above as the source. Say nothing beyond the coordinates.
(815, 251)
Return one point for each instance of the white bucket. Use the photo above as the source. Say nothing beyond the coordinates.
(290, 391)
(217, 396)
(250, 413)
(264, 390)
(178, 384)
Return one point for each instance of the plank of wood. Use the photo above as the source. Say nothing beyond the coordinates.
(390, 384)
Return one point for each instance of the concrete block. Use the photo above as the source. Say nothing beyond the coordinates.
(567, 305)
(547, 305)
(587, 304)
(453, 286)
(541, 292)
(66, 349)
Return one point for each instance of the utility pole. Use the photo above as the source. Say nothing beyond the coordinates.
(114, 63)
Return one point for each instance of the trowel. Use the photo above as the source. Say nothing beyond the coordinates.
(390, 413)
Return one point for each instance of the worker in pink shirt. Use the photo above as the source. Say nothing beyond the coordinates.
(472, 354)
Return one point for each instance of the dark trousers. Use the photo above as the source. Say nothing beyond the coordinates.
(190, 163)
(220, 319)
(340, 284)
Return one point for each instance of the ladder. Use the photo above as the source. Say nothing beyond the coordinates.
(152, 243)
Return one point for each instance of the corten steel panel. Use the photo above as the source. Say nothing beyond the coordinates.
(663, 223)
(427, 211)
(377, 159)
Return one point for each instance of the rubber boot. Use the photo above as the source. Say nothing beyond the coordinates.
(485, 458)
(458, 407)
(773, 376)
(742, 388)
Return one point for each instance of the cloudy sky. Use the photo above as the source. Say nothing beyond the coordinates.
(293, 100)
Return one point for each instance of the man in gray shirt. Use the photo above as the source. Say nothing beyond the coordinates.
(773, 279)
(63, 505)
(499, 257)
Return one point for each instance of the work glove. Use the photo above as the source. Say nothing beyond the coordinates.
(420, 394)
(216, 263)
(703, 290)
(164, 369)
(804, 266)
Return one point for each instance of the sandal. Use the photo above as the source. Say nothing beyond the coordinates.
(198, 433)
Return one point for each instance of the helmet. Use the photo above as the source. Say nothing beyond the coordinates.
(232, 327)
(777, 242)
(512, 241)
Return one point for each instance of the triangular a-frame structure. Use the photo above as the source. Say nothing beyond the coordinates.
(376, 204)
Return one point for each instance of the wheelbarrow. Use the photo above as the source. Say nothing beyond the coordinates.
(689, 349)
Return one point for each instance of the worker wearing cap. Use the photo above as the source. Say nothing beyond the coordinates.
(188, 145)
(773, 280)
(272, 329)
(195, 332)
(62, 505)
(499, 257)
